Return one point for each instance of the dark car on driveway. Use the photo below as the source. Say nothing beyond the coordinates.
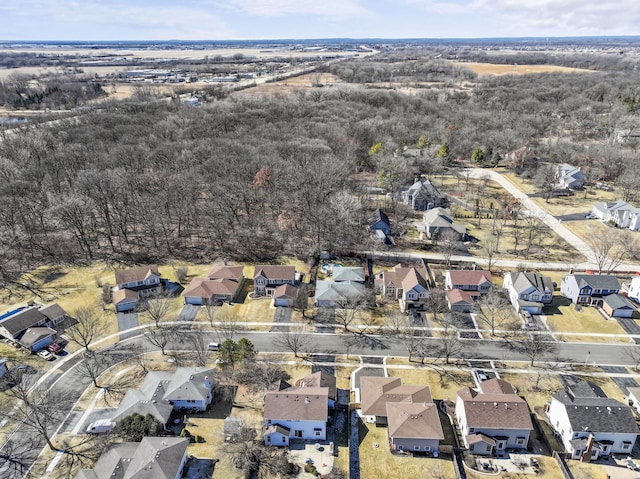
(55, 349)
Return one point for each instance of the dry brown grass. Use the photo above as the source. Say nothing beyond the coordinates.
(444, 387)
(548, 467)
(290, 85)
(500, 69)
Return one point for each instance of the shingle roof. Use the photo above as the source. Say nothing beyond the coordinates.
(346, 273)
(124, 295)
(138, 273)
(135, 402)
(495, 406)
(319, 379)
(615, 301)
(207, 288)
(297, 404)
(53, 311)
(286, 291)
(379, 215)
(414, 420)
(523, 281)
(597, 281)
(476, 438)
(275, 272)
(376, 392)
(341, 291)
(234, 273)
(597, 414)
(469, 277)
(458, 296)
(33, 335)
(22, 320)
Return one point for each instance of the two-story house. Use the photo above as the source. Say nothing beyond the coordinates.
(296, 413)
(472, 281)
(422, 195)
(267, 278)
(407, 410)
(438, 221)
(588, 288)
(592, 425)
(409, 285)
(222, 285)
(619, 212)
(633, 289)
(134, 284)
(569, 176)
(493, 418)
(32, 326)
(528, 291)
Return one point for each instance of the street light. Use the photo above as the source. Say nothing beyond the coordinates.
(587, 360)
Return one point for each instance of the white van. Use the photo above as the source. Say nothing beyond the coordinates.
(100, 426)
(213, 347)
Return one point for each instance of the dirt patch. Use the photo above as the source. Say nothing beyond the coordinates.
(309, 81)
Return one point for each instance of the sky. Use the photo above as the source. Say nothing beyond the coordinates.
(57, 20)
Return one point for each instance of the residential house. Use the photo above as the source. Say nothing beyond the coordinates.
(528, 291)
(438, 222)
(153, 457)
(296, 413)
(460, 301)
(493, 418)
(222, 285)
(633, 288)
(134, 284)
(268, 277)
(589, 289)
(380, 222)
(409, 285)
(161, 392)
(285, 295)
(348, 273)
(590, 425)
(633, 398)
(15, 323)
(376, 392)
(473, 281)
(35, 339)
(422, 195)
(320, 379)
(620, 213)
(234, 273)
(332, 294)
(569, 176)
(617, 306)
(414, 427)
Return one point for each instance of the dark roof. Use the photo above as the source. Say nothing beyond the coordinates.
(23, 320)
(597, 281)
(138, 273)
(53, 311)
(598, 415)
(615, 301)
(33, 335)
(379, 215)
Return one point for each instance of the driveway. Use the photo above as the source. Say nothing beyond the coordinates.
(282, 315)
(128, 321)
(630, 326)
(624, 383)
(189, 312)
(465, 321)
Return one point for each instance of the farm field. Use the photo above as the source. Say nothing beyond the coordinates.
(500, 69)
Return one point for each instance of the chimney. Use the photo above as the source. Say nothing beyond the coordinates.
(586, 455)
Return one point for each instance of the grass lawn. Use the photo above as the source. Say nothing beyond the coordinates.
(444, 387)
(536, 395)
(583, 470)
(563, 318)
(376, 461)
(548, 469)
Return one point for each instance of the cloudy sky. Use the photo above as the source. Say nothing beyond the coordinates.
(272, 19)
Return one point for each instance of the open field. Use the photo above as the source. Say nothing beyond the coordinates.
(500, 69)
(290, 85)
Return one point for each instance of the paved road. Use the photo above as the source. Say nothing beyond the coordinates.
(66, 378)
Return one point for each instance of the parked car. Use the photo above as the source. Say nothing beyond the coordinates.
(213, 347)
(44, 354)
(482, 376)
(55, 348)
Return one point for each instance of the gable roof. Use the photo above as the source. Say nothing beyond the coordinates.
(53, 311)
(422, 187)
(33, 335)
(207, 288)
(152, 458)
(615, 301)
(319, 379)
(136, 402)
(348, 273)
(524, 281)
(22, 320)
(341, 291)
(414, 420)
(376, 392)
(469, 277)
(495, 406)
(297, 404)
(458, 296)
(275, 272)
(597, 281)
(234, 273)
(379, 215)
(406, 277)
(124, 295)
(597, 414)
(285, 291)
(139, 273)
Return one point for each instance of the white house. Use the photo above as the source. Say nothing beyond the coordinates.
(569, 176)
(493, 418)
(593, 426)
(296, 413)
(619, 212)
(634, 288)
(528, 291)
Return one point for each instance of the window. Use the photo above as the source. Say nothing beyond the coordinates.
(317, 432)
(535, 297)
(416, 448)
(488, 447)
(297, 433)
(626, 445)
(520, 440)
(284, 439)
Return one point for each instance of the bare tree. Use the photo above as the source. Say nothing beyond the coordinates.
(210, 311)
(157, 307)
(94, 364)
(163, 334)
(610, 249)
(449, 344)
(295, 341)
(493, 311)
(448, 243)
(227, 325)
(535, 346)
(397, 322)
(89, 325)
(490, 248)
(436, 302)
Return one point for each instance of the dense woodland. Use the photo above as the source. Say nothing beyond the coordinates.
(253, 178)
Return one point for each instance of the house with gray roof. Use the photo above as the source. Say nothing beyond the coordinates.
(15, 323)
(152, 458)
(439, 221)
(267, 278)
(617, 306)
(332, 294)
(380, 222)
(528, 291)
(592, 425)
(619, 213)
(422, 195)
(348, 273)
(589, 289)
(569, 176)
